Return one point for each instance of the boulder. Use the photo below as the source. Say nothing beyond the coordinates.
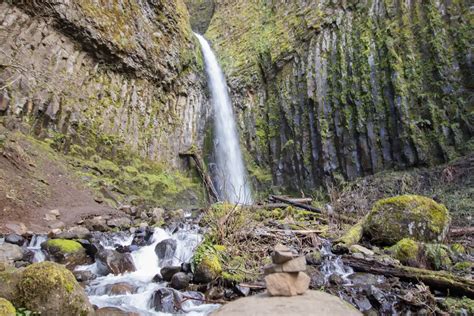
(168, 272)
(207, 269)
(51, 289)
(9, 279)
(143, 237)
(166, 300)
(287, 284)
(407, 251)
(15, 239)
(84, 276)
(10, 252)
(6, 308)
(165, 251)
(96, 223)
(310, 303)
(180, 281)
(65, 251)
(120, 222)
(294, 265)
(75, 232)
(111, 261)
(407, 216)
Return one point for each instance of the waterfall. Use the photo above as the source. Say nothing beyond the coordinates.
(230, 176)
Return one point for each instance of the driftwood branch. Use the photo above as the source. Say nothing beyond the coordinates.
(461, 231)
(437, 280)
(294, 203)
(206, 179)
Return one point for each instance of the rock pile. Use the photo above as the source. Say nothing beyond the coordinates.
(286, 276)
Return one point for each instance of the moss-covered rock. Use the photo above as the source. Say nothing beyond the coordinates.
(207, 264)
(6, 308)
(407, 216)
(51, 289)
(64, 251)
(407, 251)
(9, 279)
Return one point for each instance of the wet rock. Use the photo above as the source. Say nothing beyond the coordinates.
(166, 300)
(186, 267)
(10, 252)
(317, 279)
(143, 237)
(407, 216)
(113, 311)
(215, 293)
(157, 278)
(21, 264)
(287, 284)
(84, 276)
(111, 261)
(165, 251)
(76, 232)
(121, 288)
(91, 248)
(15, 239)
(67, 252)
(335, 279)
(168, 272)
(180, 281)
(51, 289)
(121, 222)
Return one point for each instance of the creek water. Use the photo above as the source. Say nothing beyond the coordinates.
(147, 265)
(230, 175)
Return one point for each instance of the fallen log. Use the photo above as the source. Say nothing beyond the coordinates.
(437, 280)
(461, 231)
(290, 202)
(206, 179)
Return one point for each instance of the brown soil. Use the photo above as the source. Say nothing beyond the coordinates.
(34, 180)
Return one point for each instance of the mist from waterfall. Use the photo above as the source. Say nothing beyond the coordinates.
(230, 176)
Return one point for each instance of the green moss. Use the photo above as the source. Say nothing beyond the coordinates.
(65, 245)
(406, 250)
(351, 237)
(6, 308)
(438, 256)
(458, 306)
(458, 249)
(465, 266)
(108, 167)
(39, 278)
(412, 216)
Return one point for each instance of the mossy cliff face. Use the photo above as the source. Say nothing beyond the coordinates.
(330, 88)
(129, 70)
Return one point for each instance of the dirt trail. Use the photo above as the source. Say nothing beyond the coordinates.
(34, 180)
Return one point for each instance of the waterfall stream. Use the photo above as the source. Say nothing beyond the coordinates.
(230, 174)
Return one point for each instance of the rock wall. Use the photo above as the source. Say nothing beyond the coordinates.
(202, 12)
(93, 72)
(329, 89)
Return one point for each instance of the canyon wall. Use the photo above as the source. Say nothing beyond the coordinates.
(327, 90)
(94, 72)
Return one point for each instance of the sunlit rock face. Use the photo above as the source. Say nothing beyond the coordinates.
(326, 90)
(127, 71)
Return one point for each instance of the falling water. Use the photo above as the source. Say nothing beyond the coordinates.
(231, 175)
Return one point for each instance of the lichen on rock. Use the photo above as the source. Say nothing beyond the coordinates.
(407, 216)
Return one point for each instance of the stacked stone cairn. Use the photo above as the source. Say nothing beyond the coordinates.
(286, 276)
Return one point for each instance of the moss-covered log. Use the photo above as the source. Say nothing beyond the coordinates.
(437, 280)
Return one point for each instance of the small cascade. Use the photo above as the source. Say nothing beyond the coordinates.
(147, 266)
(332, 264)
(230, 174)
(35, 246)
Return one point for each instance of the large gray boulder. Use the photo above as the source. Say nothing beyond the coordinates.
(310, 303)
